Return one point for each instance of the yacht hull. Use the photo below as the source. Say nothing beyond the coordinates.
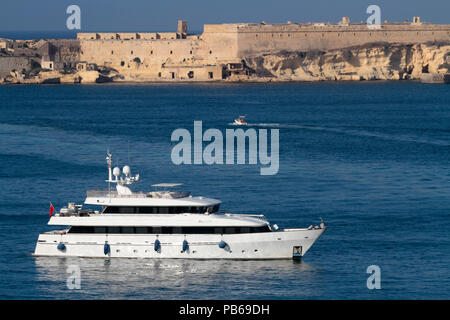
(284, 244)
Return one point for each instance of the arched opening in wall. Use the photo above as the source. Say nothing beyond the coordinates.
(190, 74)
(425, 69)
(210, 52)
(272, 35)
(112, 52)
(306, 34)
(131, 51)
(256, 35)
(122, 63)
(171, 51)
(190, 52)
(354, 34)
(281, 35)
(151, 51)
(210, 75)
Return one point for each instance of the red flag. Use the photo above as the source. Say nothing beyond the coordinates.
(52, 208)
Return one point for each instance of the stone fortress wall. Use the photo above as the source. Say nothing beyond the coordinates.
(255, 39)
(177, 56)
(219, 50)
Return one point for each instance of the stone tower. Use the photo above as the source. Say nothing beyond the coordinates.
(182, 27)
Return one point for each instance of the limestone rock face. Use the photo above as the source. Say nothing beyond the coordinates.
(380, 61)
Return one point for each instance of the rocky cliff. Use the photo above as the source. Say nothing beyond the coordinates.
(377, 61)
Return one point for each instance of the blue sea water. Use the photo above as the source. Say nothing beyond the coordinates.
(371, 159)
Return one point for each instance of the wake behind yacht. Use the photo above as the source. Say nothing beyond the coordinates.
(166, 224)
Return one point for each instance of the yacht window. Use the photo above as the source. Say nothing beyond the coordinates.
(126, 210)
(193, 209)
(113, 229)
(127, 230)
(163, 210)
(100, 229)
(81, 229)
(142, 230)
(168, 230)
(230, 230)
(177, 230)
(156, 230)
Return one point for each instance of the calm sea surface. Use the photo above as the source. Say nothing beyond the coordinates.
(371, 159)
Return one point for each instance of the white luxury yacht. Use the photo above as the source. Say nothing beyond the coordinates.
(166, 224)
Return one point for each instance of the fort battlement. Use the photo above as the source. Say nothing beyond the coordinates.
(219, 51)
(221, 44)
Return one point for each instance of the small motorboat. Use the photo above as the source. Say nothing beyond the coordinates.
(240, 121)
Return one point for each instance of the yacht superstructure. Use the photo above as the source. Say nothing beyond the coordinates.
(166, 224)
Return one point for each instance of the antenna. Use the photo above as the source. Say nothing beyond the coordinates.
(129, 162)
(109, 161)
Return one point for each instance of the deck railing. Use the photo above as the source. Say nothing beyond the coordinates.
(113, 194)
(154, 194)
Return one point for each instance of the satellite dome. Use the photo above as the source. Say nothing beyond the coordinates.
(116, 171)
(126, 170)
